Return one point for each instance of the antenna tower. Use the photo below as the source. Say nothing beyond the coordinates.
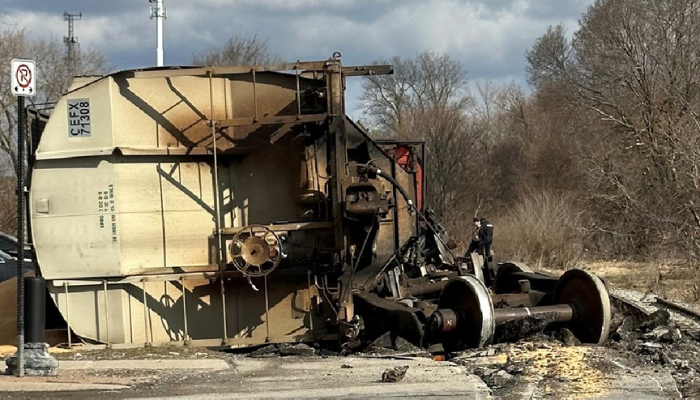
(71, 41)
(158, 12)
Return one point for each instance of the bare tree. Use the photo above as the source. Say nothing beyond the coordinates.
(493, 105)
(238, 50)
(55, 74)
(8, 201)
(13, 44)
(635, 65)
(53, 78)
(387, 101)
(428, 99)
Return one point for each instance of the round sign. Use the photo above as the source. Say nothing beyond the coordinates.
(23, 75)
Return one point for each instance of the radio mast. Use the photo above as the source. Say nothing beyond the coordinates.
(71, 42)
(158, 12)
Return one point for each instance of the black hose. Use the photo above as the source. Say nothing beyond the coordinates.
(411, 207)
(404, 194)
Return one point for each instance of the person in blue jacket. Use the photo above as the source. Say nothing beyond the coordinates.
(482, 237)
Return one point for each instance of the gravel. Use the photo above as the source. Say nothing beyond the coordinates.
(647, 302)
(673, 345)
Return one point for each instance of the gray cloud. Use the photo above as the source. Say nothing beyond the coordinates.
(489, 36)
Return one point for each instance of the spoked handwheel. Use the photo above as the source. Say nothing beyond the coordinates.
(256, 250)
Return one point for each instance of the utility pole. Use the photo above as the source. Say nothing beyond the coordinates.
(71, 42)
(158, 12)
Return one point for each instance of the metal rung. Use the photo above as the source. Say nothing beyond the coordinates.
(277, 120)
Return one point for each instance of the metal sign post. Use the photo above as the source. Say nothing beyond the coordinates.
(23, 84)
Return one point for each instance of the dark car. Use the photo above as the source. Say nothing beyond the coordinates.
(8, 257)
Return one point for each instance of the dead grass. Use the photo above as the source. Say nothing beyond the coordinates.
(673, 280)
(541, 229)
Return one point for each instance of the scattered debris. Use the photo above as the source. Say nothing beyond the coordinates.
(657, 339)
(265, 352)
(664, 334)
(487, 353)
(551, 360)
(297, 349)
(386, 344)
(284, 350)
(499, 379)
(346, 366)
(625, 331)
(657, 318)
(394, 374)
(568, 338)
(513, 331)
(484, 372)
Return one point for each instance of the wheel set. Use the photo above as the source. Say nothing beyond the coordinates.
(466, 317)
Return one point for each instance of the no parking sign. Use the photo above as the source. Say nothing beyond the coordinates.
(23, 80)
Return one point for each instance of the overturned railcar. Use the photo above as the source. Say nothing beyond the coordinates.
(240, 206)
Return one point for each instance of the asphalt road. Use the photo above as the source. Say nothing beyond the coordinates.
(238, 377)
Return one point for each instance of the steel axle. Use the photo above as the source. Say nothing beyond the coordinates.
(446, 320)
(580, 300)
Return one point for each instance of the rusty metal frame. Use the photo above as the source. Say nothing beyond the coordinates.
(246, 69)
(230, 70)
(106, 307)
(67, 318)
(300, 226)
(213, 343)
(276, 120)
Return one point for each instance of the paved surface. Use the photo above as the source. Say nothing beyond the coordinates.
(210, 365)
(57, 384)
(350, 378)
(291, 377)
(238, 377)
(33, 386)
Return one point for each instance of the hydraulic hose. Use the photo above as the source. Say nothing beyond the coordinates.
(411, 207)
(390, 179)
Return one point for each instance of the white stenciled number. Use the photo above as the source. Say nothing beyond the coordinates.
(79, 120)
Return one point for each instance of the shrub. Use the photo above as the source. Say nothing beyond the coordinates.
(543, 229)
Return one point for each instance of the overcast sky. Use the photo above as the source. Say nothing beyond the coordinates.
(489, 36)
